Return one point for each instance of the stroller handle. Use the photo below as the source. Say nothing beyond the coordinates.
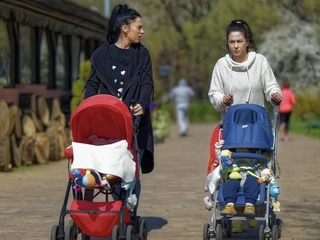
(136, 122)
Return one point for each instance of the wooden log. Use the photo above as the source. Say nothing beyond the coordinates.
(18, 124)
(15, 153)
(57, 142)
(5, 154)
(57, 114)
(27, 102)
(29, 129)
(68, 136)
(26, 150)
(4, 119)
(42, 148)
(37, 122)
(13, 111)
(43, 110)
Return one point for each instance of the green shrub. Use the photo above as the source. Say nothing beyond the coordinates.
(161, 124)
(78, 85)
(203, 112)
(307, 104)
(199, 112)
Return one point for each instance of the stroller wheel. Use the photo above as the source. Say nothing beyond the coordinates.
(228, 228)
(219, 232)
(206, 233)
(115, 232)
(70, 233)
(84, 237)
(54, 232)
(143, 232)
(136, 221)
(279, 224)
(261, 232)
(130, 232)
(275, 232)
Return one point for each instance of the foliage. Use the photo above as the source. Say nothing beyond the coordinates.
(78, 85)
(161, 123)
(85, 70)
(192, 41)
(189, 36)
(4, 54)
(199, 112)
(297, 61)
(203, 112)
(300, 127)
(307, 105)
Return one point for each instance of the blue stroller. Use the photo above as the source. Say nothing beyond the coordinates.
(248, 126)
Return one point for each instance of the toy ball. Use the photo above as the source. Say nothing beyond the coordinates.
(252, 223)
(88, 180)
(274, 191)
(76, 173)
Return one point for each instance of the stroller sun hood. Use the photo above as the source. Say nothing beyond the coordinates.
(104, 116)
(247, 126)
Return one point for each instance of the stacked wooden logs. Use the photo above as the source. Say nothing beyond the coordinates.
(33, 132)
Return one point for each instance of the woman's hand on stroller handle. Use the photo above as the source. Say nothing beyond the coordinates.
(228, 99)
(276, 98)
(136, 109)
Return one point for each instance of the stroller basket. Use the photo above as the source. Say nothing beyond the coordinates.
(97, 219)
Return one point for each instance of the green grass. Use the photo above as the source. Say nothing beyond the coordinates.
(299, 127)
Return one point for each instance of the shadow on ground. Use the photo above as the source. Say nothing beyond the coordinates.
(155, 223)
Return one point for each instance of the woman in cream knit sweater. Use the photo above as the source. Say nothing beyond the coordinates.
(242, 76)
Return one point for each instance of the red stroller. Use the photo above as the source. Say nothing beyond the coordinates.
(110, 122)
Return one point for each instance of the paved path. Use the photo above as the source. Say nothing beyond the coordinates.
(31, 198)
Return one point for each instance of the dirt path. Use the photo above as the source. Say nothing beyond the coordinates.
(172, 195)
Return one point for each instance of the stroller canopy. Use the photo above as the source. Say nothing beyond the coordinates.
(104, 116)
(247, 126)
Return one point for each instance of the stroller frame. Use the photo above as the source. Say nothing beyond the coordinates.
(273, 226)
(72, 230)
(129, 223)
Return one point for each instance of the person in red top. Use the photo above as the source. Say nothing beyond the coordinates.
(285, 108)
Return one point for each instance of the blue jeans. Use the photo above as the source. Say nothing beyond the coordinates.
(250, 187)
(182, 117)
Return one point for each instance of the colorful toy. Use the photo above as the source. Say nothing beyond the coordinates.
(88, 180)
(261, 179)
(274, 191)
(229, 166)
(276, 205)
(225, 158)
(105, 183)
(76, 173)
(252, 223)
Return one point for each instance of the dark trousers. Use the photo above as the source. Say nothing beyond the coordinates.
(251, 190)
(285, 118)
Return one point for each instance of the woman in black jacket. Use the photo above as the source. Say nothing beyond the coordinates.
(122, 67)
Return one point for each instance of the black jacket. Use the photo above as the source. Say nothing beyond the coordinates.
(139, 90)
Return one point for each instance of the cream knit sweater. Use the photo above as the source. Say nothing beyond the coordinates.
(249, 82)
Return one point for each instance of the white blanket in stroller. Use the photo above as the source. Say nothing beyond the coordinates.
(113, 159)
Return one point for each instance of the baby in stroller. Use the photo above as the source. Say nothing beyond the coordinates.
(244, 177)
(235, 174)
